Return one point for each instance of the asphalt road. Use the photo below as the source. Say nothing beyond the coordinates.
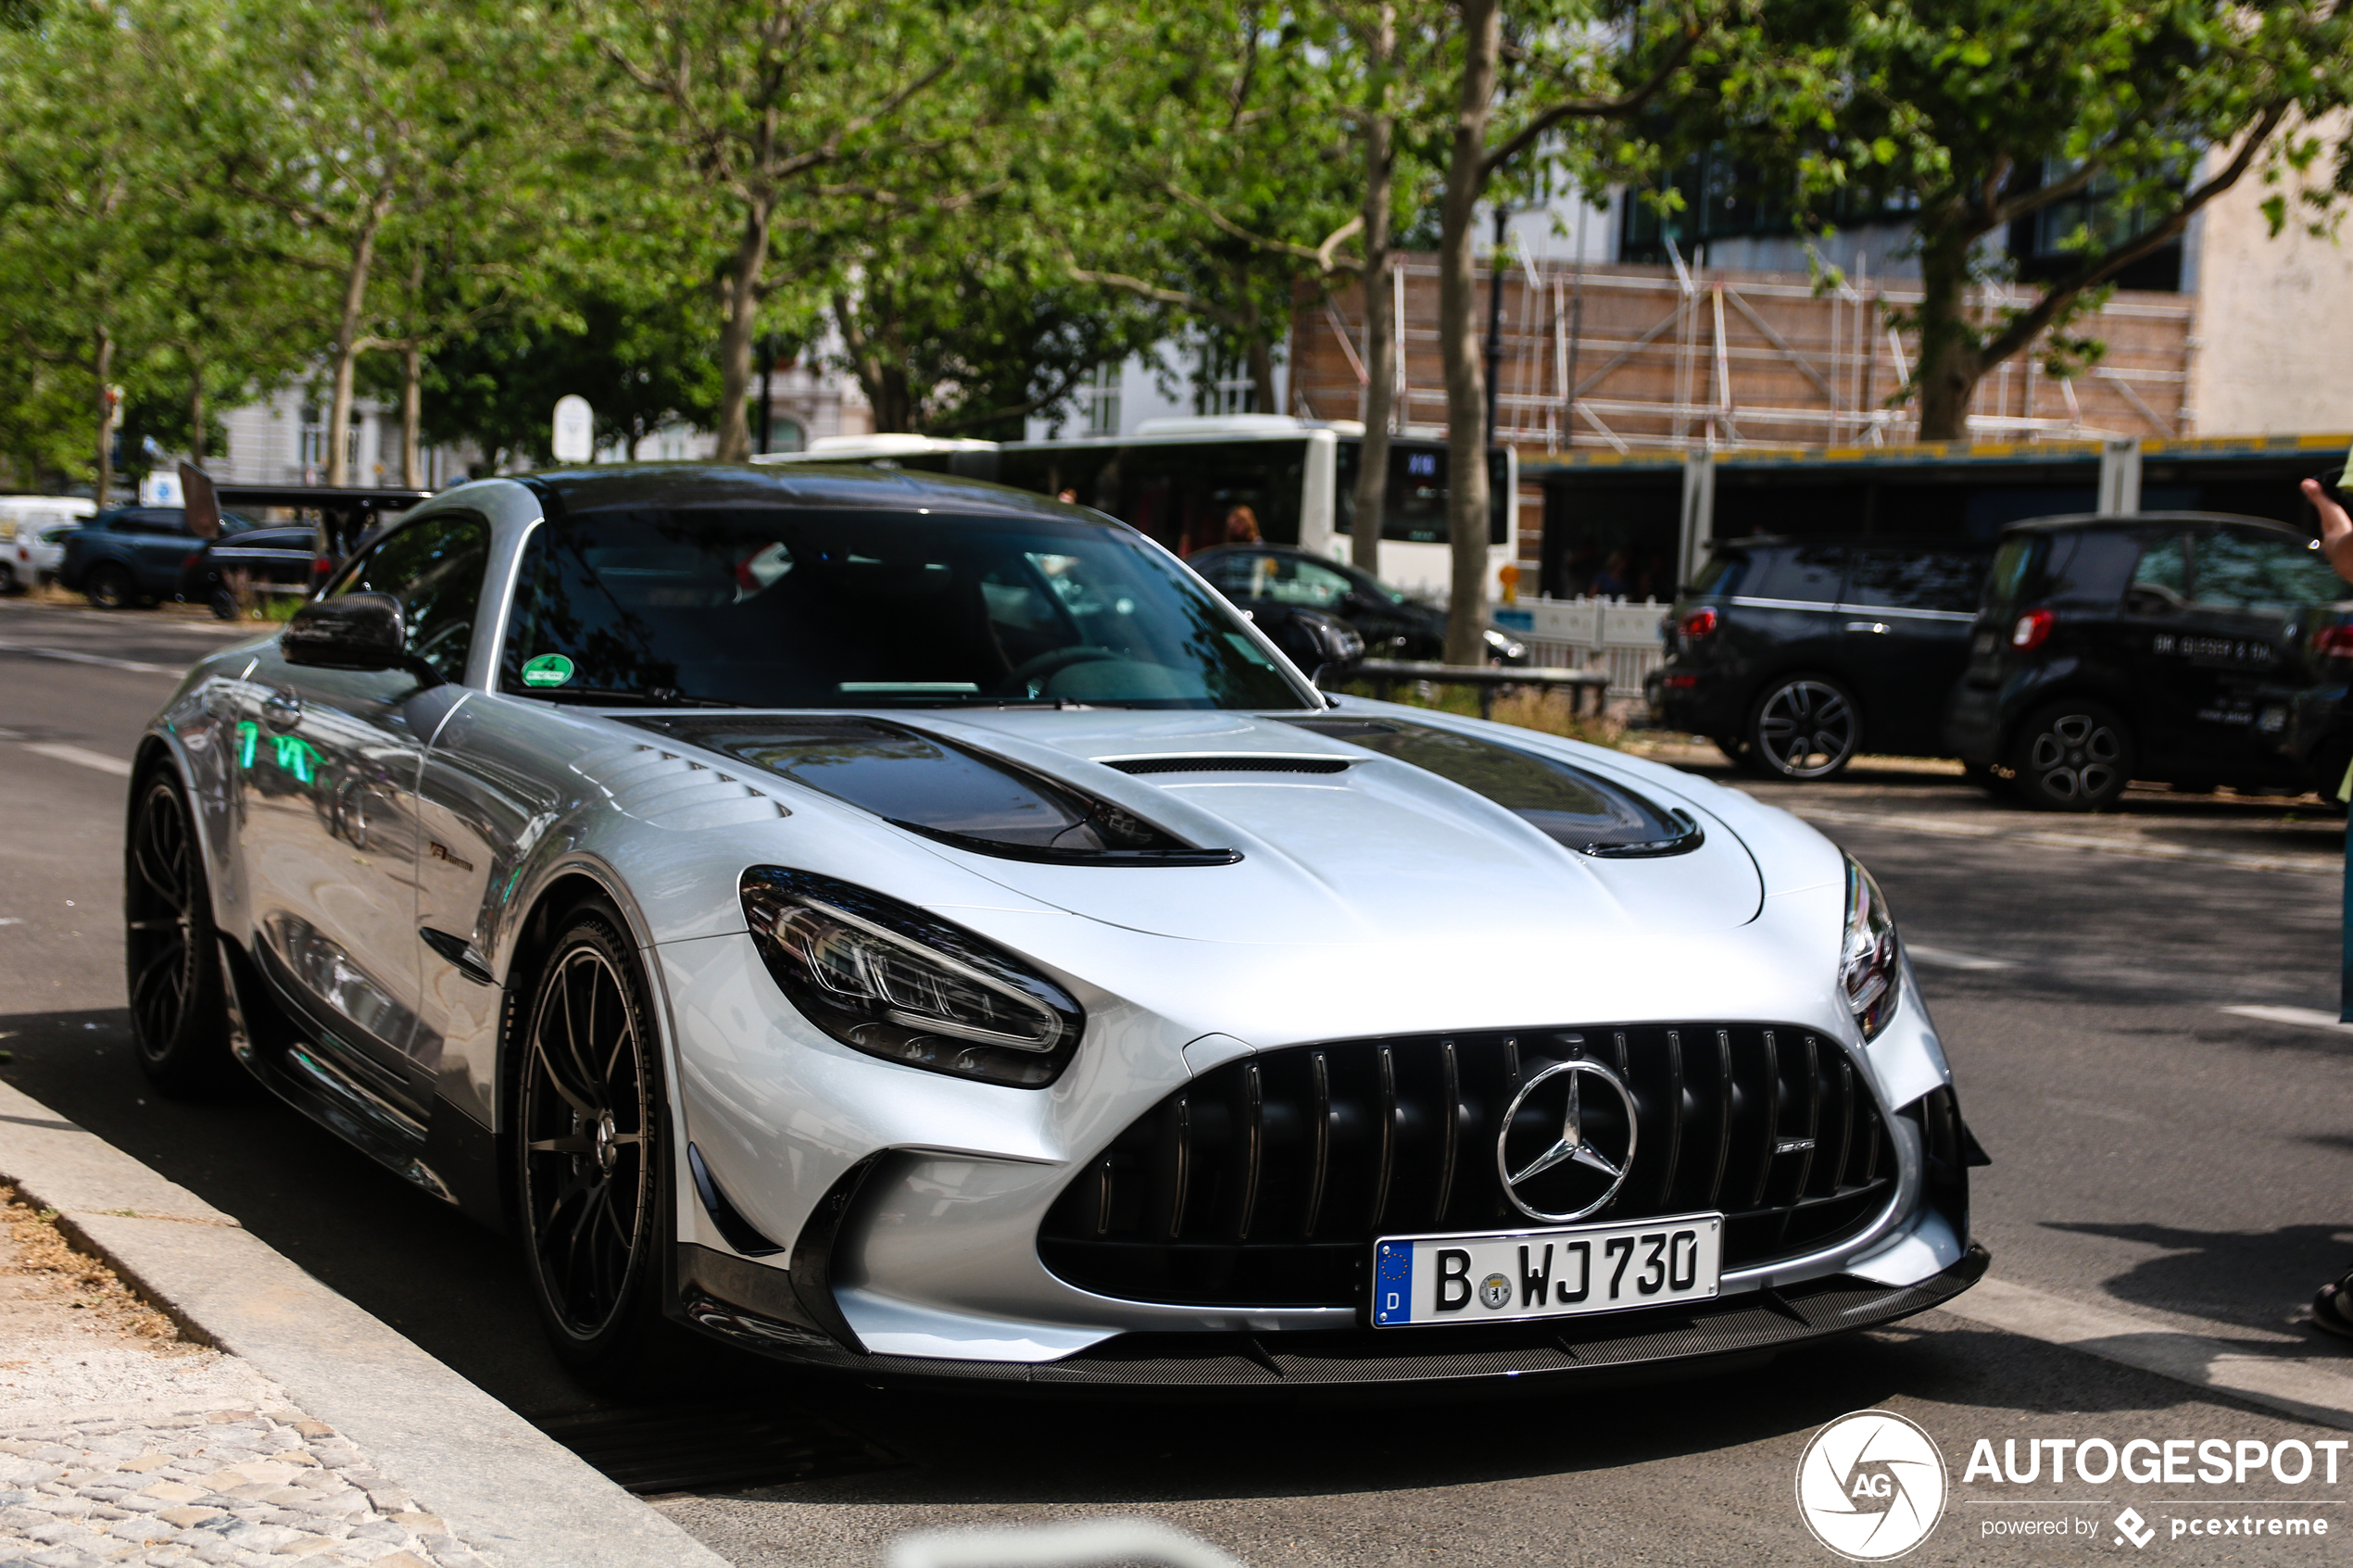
(2154, 1154)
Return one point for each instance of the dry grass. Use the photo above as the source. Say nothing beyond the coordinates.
(1531, 708)
(45, 1260)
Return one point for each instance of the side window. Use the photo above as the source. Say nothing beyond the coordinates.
(1319, 587)
(2161, 577)
(1805, 573)
(2257, 569)
(434, 566)
(1904, 580)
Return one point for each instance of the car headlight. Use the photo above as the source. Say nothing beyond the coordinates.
(887, 979)
(1870, 965)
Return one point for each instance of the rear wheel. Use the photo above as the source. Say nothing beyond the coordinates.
(1804, 727)
(178, 1020)
(2073, 756)
(111, 587)
(9, 583)
(224, 605)
(590, 1146)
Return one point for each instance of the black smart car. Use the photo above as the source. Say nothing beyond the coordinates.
(1273, 581)
(1795, 655)
(2182, 648)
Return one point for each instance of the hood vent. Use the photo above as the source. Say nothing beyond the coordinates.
(667, 791)
(953, 794)
(1579, 811)
(1245, 764)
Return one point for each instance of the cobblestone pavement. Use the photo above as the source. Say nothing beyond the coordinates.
(245, 1487)
(122, 1442)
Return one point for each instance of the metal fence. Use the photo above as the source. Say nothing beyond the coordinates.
(1609, 633)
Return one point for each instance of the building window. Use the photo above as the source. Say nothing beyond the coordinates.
(1101, 397)
(1223, 385)
(785, 435)
(314, 437)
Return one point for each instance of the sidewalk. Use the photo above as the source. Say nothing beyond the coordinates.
(258, 1417)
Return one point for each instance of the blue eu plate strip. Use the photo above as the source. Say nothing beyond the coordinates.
(1394, 1283)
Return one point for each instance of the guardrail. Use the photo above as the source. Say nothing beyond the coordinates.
(1385, 673)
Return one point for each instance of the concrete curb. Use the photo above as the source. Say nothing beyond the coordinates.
(503, 1487)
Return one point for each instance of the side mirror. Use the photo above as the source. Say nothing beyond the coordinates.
(355, 632)
(1316, 642)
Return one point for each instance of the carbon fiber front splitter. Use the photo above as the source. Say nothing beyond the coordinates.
(1742, 1330)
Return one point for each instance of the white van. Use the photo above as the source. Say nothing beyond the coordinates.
(30, 547)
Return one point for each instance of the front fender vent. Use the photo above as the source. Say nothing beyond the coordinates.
(665, 790)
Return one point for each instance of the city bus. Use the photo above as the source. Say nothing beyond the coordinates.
(1177, 478)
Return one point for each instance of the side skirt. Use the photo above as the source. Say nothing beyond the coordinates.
(265, 1038)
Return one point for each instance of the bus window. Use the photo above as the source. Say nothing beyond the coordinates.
(1180, 493)
(1415, 508)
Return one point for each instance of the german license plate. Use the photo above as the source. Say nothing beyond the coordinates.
(1545, 1273)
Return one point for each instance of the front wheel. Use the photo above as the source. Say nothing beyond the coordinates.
(1804, 727)
(589, 1145)
(2073, 756)
(111, 587)
(178, 1017)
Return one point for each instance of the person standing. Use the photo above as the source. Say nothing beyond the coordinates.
(2333, 1306)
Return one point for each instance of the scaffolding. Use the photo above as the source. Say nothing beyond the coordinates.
(1624, 359)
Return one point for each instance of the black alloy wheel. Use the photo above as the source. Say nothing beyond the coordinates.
(2073, 756)
(111, 587)
(8, 583)
(588, 1145)
(179, 1018)
(1804, 727)
(224, 604)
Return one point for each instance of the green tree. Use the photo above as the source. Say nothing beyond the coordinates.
(1980, 113)
(745, 107)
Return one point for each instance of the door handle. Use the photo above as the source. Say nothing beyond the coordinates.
(1879, 626)
(282, 711)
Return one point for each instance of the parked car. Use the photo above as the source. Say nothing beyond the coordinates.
(134, 555)
(35, 556)
(2182, 648)
(25, 521)
(238, 570)
(909, 926)
(1793, 655)
(1270, 581)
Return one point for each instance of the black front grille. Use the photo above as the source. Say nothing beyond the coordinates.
(1260, 1182)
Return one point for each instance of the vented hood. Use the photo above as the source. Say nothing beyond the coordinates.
(1223, 827)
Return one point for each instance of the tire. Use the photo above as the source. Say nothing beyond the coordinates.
(1803, 727)
(179, 1018)
(2072, 756)
(109, 587)
(590, 1147)
(9, 583)
(224, 605)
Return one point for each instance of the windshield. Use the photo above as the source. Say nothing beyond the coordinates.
(770, 608)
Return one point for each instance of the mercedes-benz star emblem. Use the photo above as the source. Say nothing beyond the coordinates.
(1572, 1147)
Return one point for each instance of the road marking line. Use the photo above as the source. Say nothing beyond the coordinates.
(2278, 1376)
(72, 658)
(61, 752)
(2308, 1018)
(1944, 958)
(2147, 849)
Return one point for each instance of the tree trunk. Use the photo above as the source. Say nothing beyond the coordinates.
(1466, 498)
(1380, 355)
(195, 408)
(412, 412)
(1261, 355)
(1950, 363)
(744, 280)
(347, 346)
(102, 366)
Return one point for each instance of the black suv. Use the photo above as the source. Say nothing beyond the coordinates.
(2182, 648)
(134, 555)
(1794, 654)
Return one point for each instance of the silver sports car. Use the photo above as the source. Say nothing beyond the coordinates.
(907, 925)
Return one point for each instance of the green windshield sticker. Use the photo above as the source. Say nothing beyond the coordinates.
(548, 669)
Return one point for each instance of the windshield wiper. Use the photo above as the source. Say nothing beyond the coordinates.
(615, 694)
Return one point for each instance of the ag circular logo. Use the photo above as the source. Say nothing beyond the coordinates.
(1870, 1486)
(1496, 1290)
